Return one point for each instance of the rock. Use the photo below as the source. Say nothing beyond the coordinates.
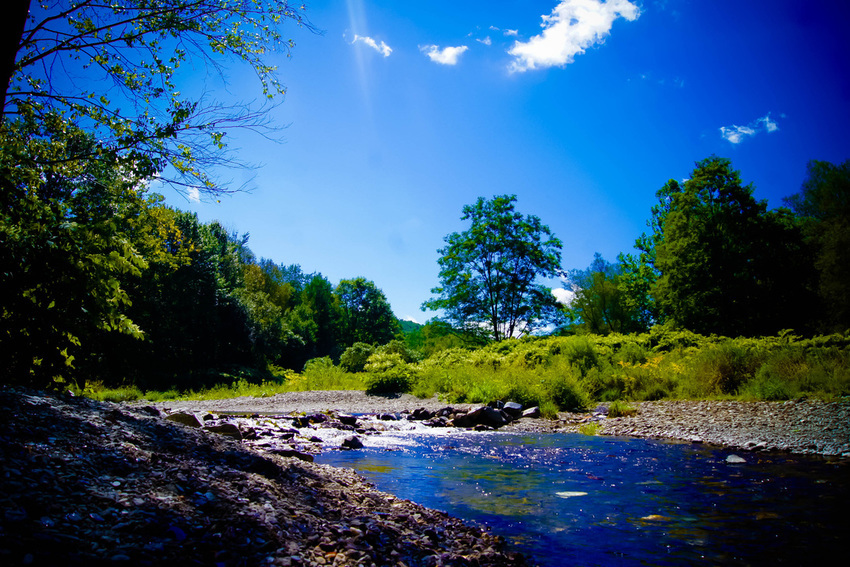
(513, 409)
(185, 418)
(421, 414)
(388, 417)
(532, 412)
(228, 429)
(346, 419)
(483, 415)
(735, 460)
(352, 442)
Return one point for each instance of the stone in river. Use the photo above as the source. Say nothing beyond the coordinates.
(346, 419)
(735, 460)
(352, 442)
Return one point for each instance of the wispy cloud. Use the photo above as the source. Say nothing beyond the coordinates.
(572, 27)
(485, 41)
(444, 56)
(381, 48)
(194, 195)
(736, 134)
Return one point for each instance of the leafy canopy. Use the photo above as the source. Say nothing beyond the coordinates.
(489, 273)
(112, 69)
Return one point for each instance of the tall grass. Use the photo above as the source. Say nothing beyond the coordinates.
(571, 373)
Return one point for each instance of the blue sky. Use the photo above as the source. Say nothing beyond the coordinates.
(401, 113)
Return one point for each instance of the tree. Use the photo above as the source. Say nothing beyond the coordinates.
(489, 273)
(823, 205)
(71, 233)
(366, 314)
(112, 69)
(599, 305)
(720, 257)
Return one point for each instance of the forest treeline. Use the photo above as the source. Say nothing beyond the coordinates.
(717, 261)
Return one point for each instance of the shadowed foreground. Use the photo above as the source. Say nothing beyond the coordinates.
(86, 482)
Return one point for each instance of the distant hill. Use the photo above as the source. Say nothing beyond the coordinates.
(408, 327)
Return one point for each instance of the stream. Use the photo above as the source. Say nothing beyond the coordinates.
(571, 499)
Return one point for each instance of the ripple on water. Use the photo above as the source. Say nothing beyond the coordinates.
(574, 499)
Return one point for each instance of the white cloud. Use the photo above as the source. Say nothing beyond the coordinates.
(194, 195)
(444, 56)
(563, 296)
(736, 134)
(485, 41)
(511, 32)
(572, 27)
(381, 48)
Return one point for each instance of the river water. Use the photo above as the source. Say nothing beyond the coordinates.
(571, 499)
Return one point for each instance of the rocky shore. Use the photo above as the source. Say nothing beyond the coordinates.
(233, 482)
(800, 426)
(86, 483)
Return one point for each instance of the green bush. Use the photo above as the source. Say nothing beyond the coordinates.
(355, 357)
(388, 373)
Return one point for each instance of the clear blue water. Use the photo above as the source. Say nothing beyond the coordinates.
(569, 499)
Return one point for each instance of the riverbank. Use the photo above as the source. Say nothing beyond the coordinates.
(803, 426)
(86, 482)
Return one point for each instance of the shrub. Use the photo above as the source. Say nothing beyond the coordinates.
(355, 357)
(388, 373)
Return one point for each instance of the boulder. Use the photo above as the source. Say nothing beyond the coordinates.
(532, 412)
(513, 409)
(352, 442)
(421, 414)
(483, 415)
(185, 418)
(346, 419)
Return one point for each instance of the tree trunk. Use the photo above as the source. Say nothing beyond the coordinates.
(13, 30)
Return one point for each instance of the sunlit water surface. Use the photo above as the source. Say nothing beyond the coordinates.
(569, 499)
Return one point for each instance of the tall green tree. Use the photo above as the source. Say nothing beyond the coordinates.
(823, 205)
(72, 232)
(718, 273)
(366, 315)
(113, 67)
(489, 273)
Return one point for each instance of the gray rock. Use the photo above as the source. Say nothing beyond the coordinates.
(346, 419)
(352, 442)
(185, 418)
(735, 460)
(513, 409)
(532, 412)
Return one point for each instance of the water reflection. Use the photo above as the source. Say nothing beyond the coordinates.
(578, 500)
